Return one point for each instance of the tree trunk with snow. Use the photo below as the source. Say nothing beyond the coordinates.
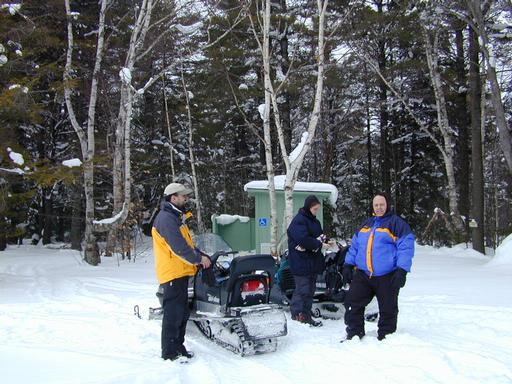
(121, 160)
(169, 132)
(86, 138)
(197, 198)
(265, 51)
(477, 184)
(293, 162)
(432, 54)
(478, 24)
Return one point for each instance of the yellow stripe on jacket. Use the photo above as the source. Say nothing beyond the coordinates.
(169, 265)
(369, 246)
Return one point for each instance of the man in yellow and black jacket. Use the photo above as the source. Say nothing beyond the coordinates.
(176, 259)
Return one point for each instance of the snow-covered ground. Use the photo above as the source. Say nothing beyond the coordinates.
(62, 321)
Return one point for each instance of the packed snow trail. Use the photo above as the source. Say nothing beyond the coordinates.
(62, 321)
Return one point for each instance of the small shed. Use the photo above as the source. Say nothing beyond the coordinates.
(259, 190)
(237, 231)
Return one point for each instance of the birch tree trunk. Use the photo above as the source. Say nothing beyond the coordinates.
(294, 165)
(121, 159)
(265, 50)
(477, 184)
(86, 139)
(169, 133)
(432, 54)
(200, 224)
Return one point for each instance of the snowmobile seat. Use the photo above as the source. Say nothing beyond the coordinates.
(248, 264)
(246, 269)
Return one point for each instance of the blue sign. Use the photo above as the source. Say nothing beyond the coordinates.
(262, 221)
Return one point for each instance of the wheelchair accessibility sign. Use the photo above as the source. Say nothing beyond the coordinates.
(262, 221)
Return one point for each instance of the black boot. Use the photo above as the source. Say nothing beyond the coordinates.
(172, 356)
(351, 336)
(307, 319)
(183, 352)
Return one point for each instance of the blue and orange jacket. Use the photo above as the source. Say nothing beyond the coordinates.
(382, 245)
(175, 253)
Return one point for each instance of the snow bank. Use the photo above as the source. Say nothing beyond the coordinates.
(72, 163)
(59, 317)
(16, 157)
(299, 186)
(503, 255)
(229, 219)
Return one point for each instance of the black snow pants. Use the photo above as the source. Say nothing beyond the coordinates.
(302, 299)
(362, 290)
(175, 316)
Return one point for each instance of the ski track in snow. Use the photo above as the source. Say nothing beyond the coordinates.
(62, 321)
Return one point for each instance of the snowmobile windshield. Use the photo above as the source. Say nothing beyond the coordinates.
(211, 243)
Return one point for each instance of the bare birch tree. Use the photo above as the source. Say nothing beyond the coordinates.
(443, 125)
(86, 137)
(293, 160)
(190, 129)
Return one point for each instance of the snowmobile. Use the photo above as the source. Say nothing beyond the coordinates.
(330, 287)
(235, 311)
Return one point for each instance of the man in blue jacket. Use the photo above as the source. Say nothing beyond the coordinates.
(377, 263)
(305, 242)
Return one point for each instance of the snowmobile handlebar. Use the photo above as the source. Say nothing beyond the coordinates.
(217, 254)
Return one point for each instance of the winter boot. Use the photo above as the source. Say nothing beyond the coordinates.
(183, 352)
(307, 319)
(351, 336)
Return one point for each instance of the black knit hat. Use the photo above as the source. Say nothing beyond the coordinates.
(309, 202)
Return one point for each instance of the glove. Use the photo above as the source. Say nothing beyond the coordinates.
(398, 278)
(347, 273)
(323, 238)
(208, 276)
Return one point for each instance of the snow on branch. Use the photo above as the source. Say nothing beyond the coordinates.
(298, 149)
(110, 222)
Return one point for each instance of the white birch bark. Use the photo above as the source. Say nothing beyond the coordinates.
(443, 125)
(293, 166)
(265, 51)
(197, 197)
(86, 139)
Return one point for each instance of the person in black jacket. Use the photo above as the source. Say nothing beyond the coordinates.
(305, 242)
